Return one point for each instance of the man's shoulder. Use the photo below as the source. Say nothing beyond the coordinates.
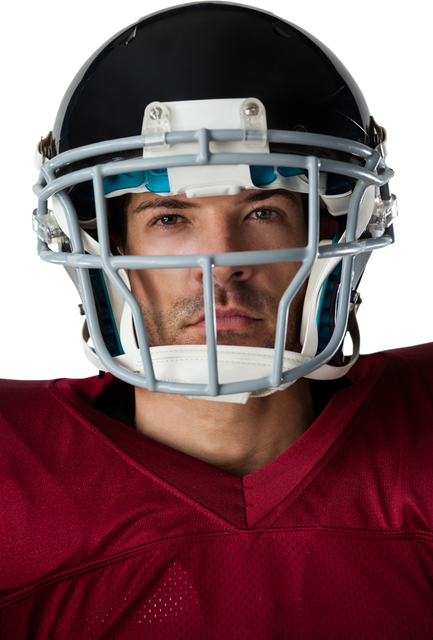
(407, 361)
(22, 386)
(38, 402)
(398, 388)
(12, 391)
(21, 394)
(414, 351)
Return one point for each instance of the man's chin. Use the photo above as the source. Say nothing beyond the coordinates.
(224, 338)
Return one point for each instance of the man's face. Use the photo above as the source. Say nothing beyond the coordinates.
(246, 298)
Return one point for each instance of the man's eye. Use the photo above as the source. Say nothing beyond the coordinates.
(169, 220)
(263, 214)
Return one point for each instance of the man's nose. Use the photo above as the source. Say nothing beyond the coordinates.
(225, 240)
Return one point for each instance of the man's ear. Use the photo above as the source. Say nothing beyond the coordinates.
(116, 246)
(328, 226)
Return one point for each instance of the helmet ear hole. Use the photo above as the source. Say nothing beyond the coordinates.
(117, 209)
(330, 225)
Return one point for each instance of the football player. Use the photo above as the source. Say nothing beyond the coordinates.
(214, 184)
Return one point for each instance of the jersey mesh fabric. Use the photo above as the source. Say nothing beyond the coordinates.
(304, 585)
(107, 534)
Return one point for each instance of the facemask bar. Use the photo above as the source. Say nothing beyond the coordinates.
(374, 173)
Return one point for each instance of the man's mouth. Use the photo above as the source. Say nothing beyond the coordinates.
(228, 320)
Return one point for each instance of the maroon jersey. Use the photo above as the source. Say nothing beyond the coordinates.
(107, 534)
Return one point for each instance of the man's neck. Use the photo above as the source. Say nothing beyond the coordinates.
(234, 437)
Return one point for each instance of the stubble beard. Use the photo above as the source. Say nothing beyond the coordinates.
(171, 327)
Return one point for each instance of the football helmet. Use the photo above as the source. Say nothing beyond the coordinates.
(208, 99)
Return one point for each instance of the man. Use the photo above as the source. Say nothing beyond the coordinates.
(248, 480)
(237, 438)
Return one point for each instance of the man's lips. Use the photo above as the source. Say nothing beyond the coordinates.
(228, 319)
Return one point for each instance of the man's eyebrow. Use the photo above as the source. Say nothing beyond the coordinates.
(165, 202)
(174, 203)
(259, 196)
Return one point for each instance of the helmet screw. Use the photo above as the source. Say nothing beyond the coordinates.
(252, 109)
(155, 113)
(79, 310)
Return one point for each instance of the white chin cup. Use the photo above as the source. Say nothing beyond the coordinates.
(189, 364)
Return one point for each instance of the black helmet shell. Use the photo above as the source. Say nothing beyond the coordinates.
(206, 51)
